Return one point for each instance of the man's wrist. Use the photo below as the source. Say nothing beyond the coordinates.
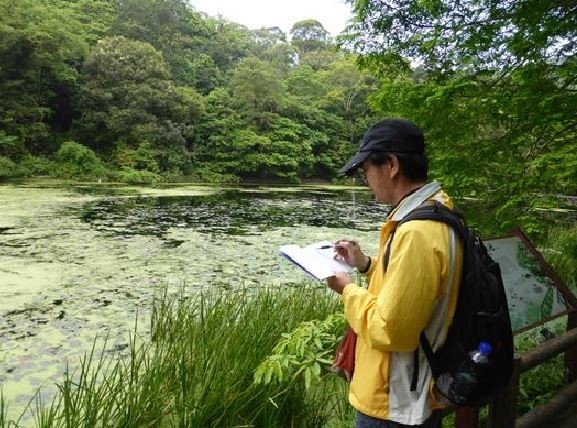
(367, 266)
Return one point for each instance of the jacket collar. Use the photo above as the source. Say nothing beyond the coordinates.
(414, 200)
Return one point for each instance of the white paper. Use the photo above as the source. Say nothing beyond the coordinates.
(314, 260)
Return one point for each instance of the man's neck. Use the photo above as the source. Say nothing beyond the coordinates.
(405, 189)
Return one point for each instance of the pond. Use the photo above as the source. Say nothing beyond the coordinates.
(80, 264)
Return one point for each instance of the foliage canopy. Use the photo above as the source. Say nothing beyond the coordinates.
(493, 83)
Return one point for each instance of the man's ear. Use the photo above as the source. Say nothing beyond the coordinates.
(395, 166)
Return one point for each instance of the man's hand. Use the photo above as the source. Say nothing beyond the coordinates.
(339, 281)
(350, 252)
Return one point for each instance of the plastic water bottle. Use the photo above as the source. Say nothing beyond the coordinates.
(481, 355)
(460, 386)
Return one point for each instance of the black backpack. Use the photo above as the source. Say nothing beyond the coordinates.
(481, 315)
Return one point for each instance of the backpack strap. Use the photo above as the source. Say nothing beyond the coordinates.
(415, 376)
(430, 210)
(388, 250)
(439, 212)
(430, 354)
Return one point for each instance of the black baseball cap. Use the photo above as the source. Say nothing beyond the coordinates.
(387, 136)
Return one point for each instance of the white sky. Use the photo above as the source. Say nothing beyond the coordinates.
(333, 14)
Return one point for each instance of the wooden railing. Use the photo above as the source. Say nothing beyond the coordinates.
(503, 409)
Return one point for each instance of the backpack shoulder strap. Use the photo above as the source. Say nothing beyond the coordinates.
(430, 210)
(439, 212)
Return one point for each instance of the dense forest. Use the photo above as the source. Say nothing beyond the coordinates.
(153, 90)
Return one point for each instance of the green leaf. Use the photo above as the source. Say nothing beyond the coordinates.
(308, 377)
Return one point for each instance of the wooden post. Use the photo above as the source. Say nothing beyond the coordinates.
(467, 417)
(503, 409)
(571, 353)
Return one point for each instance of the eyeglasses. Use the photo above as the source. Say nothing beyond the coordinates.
(362, 172)
(362, 169)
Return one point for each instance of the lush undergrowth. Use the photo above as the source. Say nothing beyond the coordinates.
(198, 368)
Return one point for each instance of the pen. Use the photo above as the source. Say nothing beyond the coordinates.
(325, 247)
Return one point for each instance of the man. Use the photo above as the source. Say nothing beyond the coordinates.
(417, 292)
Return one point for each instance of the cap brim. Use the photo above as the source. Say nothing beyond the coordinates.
(354, 163)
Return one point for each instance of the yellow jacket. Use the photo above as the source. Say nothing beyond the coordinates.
(417, 293)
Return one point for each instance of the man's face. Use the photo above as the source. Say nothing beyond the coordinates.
(378, 178)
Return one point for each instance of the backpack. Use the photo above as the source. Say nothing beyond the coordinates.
(481, 315)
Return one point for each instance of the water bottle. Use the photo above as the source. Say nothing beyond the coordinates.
(458, 387)
(481, 355)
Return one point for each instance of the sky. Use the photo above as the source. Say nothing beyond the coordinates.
(254, 14)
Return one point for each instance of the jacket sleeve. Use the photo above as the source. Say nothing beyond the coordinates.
(393, 319)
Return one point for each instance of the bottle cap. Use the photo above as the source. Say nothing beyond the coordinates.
(485, 348)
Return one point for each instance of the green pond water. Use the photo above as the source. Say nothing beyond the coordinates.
(81, 263)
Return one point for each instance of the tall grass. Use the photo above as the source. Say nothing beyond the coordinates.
(196, 370)
(3, 410)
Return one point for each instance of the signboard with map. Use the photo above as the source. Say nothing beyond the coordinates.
(535, 294)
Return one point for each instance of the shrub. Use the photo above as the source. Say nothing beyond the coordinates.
(7, 168)
(10, 145)
(133, 176)
(144, 158)
(78, 161)
(11, 169)
(208, 175)
(539, 384)
(305, 352)
(37, 165)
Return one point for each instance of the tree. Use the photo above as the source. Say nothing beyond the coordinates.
(257, 90)
(227, 43)
(127, 96)
(38, 58)
(176, 30)
(95, 16)
(272, 47)
(495, 91)
(477, 35)
(268, 37)
(331, 107)
(306, 84)
(348, 94)
(309, 36)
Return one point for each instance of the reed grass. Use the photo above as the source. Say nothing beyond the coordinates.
(196, 368)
